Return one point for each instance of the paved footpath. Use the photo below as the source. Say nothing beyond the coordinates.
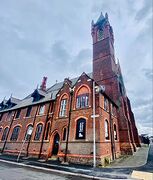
(86, 171)
(139, 158)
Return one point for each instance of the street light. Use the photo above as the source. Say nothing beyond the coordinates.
(94, 127)
(29, 133)
(96, 89)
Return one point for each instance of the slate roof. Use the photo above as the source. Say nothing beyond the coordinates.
(48, 95)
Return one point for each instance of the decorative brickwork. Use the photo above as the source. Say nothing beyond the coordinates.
(64, 112)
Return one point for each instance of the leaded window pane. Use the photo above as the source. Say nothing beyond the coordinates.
(38, 132)
(82, 101)
(5, 134)
(63, 108)
(15, 133)
(42, 109)
(106, 130)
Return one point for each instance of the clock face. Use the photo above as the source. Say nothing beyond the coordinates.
(100, 34)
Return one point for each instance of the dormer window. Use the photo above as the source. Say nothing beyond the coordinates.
(37, 95)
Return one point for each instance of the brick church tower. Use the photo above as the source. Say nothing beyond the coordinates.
(108, 73)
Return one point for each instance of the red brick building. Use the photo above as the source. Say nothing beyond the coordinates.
(61, 116)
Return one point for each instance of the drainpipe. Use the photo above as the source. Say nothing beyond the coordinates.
(111, 133)
(68, 128)
(8, 133)
(33, 127)
(45, 128)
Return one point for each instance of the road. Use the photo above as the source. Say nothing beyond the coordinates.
(13, 172)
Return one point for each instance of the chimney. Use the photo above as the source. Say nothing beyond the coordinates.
(43, 84)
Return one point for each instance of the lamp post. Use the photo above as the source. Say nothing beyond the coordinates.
(94, 126)
(29, 133)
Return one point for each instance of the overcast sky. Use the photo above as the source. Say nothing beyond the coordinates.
(52, 38)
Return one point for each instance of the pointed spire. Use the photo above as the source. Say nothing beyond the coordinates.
(106, 15)
(4, 98)
(101, 17)
(92, 22)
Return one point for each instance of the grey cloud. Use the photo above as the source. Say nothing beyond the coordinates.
(53, 38)
(142, 102)
(147, 7)
(148, 74)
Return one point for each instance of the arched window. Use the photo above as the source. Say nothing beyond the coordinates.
(115, 132)
(15, 133)
(5, 134)
(105, 103)
(81, 129)
(100, 34)
(38, 132)
(82, 98)
(63, 105)
(28, 134)
(106, 130)
(47, 131)
(64, 134)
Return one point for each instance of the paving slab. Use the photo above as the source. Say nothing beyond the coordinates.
(142, 175)
(139, 158)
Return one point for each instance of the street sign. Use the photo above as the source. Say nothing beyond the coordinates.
(94, 116)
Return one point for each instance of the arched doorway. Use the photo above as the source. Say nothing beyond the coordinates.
(55, 144)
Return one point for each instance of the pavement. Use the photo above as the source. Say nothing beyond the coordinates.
(141, 161)
(139, 158)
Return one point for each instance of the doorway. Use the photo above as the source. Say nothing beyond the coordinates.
(55, 144)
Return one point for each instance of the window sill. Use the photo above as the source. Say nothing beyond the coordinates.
(107, 140)
(46, 140)
(28, 117)
(35, 141)
(63, 117)
(39, 115)
(16, 118)
(78, 109)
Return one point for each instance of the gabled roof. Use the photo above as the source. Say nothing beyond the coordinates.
(7, 104)
(59, 85)
(49, 94)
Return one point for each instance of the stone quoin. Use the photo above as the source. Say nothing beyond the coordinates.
(61, 116)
